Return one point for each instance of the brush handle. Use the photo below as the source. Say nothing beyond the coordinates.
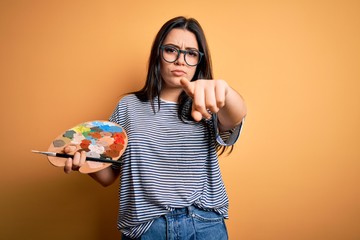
(64, 155)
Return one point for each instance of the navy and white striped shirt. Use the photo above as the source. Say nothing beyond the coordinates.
(167, 164)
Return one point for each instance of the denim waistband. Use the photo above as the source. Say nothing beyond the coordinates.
(182, 211)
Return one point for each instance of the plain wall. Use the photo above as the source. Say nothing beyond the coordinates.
(294, 173)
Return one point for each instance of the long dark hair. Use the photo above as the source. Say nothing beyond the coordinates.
(153, 85)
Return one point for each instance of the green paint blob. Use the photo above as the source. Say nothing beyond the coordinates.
(69, 134)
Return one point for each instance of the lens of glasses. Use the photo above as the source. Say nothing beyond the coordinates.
(171, 54)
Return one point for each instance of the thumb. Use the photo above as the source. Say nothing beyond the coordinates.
(187, 86)
(70, 149)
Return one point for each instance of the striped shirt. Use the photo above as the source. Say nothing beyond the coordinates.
(167, 164)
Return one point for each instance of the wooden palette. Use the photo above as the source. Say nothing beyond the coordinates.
(99, 139)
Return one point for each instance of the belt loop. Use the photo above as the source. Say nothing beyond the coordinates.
(190, 211)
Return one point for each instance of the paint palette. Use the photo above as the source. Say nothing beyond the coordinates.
(99, 139)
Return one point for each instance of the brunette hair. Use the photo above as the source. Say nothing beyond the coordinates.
(153, 84)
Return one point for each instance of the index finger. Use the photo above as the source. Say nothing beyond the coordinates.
(188, 87)
(68, 165)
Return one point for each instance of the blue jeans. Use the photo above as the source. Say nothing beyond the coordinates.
(188, 223)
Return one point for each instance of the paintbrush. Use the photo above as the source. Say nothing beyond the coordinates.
(64, 155)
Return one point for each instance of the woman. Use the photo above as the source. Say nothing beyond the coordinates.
(171, 185)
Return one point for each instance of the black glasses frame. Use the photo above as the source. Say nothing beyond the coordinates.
(179, 51)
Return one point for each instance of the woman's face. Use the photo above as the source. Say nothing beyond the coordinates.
(172, 72)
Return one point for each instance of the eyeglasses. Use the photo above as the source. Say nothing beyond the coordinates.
(170, 54)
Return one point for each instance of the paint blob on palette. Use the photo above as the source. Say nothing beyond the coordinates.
(99, 139)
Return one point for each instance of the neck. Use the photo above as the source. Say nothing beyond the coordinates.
(171, 95)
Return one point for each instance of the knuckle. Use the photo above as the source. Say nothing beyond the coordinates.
(220, 103)
(199, 106)
(211, 106)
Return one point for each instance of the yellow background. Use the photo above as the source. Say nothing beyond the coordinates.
(294, 173)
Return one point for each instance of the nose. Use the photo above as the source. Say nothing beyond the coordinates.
(181, 59)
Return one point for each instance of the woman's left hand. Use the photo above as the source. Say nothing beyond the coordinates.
(208, 96)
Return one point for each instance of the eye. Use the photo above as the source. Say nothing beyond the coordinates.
(193, 53)
(169, 49)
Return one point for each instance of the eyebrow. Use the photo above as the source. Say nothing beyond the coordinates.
(188, 48)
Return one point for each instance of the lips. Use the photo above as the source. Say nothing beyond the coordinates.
(178, 73)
